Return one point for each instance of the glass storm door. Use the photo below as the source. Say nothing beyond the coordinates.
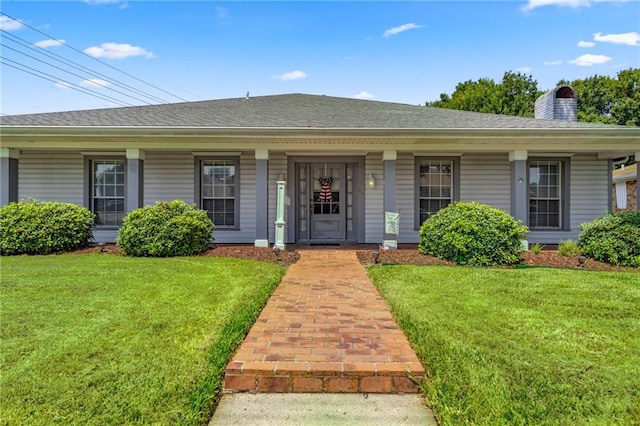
(325, 202)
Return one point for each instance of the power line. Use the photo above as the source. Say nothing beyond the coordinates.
(98, 60)
(45, 76)
(77, 66)
(74, 74)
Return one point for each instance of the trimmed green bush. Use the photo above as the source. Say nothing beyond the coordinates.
(168, 228)
(44, 227)
(471, 233)
(613, 238)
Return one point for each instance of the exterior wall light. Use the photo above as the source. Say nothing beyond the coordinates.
(371, 182)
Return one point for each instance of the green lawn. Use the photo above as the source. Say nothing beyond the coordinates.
(522, 346)
(101, 339)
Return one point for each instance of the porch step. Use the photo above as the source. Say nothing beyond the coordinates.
(329, 377)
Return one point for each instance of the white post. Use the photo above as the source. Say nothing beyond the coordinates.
(280, 200)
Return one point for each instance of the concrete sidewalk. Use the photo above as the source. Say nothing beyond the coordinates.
(300, 409)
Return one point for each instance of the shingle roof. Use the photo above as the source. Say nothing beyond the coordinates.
(288, 111)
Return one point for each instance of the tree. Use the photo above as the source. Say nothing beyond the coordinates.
(627, 109)
(514, 95)
(596, 96)
(603, 99)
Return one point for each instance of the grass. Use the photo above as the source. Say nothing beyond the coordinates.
(527, 346)
(99, 339)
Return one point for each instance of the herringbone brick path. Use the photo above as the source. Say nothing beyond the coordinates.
(325, 329)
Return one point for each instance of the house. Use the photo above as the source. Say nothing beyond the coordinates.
(345, 162)
(625, 188)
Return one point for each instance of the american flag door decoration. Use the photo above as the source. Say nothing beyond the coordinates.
(325, 188)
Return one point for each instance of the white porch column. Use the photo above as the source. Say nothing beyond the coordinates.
(280, 223)
(389, 196)
(262, 198)
(135, 179)
(519, 207)
(8, 175)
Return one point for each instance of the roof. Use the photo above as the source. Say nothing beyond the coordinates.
(288, 111)
(626, 173)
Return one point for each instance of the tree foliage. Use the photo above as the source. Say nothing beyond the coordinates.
(514, 95)
(603, 99)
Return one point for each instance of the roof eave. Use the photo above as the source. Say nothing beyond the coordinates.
(97, 131)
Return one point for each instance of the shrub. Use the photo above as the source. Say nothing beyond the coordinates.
(568, 248)
(613, 238)
(44, 227)
(473, 234)
(537, 248)
(165, 229)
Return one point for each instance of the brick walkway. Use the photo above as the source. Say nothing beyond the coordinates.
(325, 329)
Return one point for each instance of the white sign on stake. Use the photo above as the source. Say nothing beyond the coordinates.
(392, 223)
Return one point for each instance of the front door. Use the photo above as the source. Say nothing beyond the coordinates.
(326, 206)
(325, 202)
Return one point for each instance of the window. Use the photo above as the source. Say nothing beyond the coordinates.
(437, 184)
(547, 196)
(107, 191)
(219, 191)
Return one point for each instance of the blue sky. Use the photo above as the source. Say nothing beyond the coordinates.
(407, 52)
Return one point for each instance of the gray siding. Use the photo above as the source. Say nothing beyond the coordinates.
(374, 203)
(406, 197)
(247, 231)
(589, 195)
(485, 178)
(171, 175)
(168, 176)
(51, 176)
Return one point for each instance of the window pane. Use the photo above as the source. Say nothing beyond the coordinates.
(436, 186)
(108, 191)
(545, 194)
(218, 189)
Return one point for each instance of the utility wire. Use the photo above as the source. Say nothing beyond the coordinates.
(74, 74)
(49, 77)
(75, 65)
(97, 60)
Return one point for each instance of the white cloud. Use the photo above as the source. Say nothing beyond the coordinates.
(586, 44)
(117, 51)
(292, 75)
(630, 39)
(590, 60)
(94, 83)
(532, 4)
(363, 95)
(49, 43)
(524, 70)
(558, 62)
(9, 24)
(62, 85)
(402, 28)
